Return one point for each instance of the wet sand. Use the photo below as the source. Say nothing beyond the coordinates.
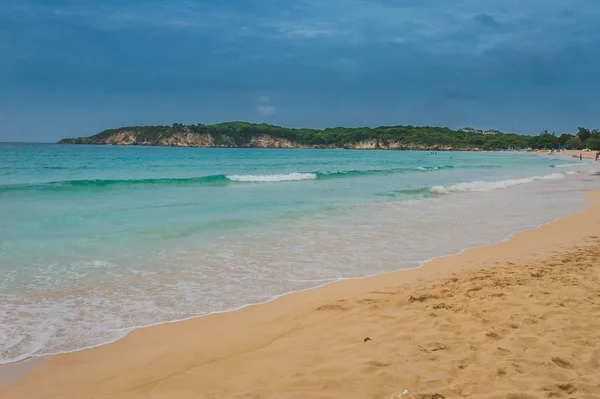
(517, 319)
(13, 372)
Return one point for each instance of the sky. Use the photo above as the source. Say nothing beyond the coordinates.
(74, 68)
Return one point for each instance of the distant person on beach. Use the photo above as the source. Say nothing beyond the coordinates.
(580, 156)
(597, 155)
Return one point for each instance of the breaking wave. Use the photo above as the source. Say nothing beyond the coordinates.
(214, 180)
(569, 165)
(476, 186)
(273, 178)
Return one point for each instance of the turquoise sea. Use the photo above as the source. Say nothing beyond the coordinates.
(96, 241)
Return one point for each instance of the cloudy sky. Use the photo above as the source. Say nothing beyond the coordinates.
(73, 68)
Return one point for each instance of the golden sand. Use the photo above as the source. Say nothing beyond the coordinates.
(517, 319)
(575, 154)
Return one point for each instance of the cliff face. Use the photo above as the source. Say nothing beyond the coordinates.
(191, 139)
(262, 135)
(122, 138)
(183, 136)
(265, 141)
(397, 145)
(188, 140)
(128, 137)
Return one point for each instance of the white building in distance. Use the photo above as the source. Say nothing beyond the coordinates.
(476, 131)
(491, 132)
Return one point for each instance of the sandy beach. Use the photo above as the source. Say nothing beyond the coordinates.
(517, 319)
(576, 153)
(313, 200)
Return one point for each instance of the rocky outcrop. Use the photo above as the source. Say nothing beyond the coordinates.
(127, 137)
(187, 138)
(397, 145)
(122, 138)
(265, 141)
(364, 145)
(269, 142)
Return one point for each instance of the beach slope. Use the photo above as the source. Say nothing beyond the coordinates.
(517, 319)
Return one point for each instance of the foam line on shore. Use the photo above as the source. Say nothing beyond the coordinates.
(126, 331)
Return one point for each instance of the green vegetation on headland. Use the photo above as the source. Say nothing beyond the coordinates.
(244, 134)
(584, 138)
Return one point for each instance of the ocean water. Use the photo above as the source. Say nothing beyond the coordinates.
(96, 241)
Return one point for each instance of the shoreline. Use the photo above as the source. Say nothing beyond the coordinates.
(80, 340)
(573, 154)
(36, 360)
(276, 313)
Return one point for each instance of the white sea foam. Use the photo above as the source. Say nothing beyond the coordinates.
(273, 178)
(570, 165)
(476, 186)
(67, 305)
(230, 274)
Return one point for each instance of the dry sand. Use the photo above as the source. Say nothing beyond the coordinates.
(575, 154)
(518, 319)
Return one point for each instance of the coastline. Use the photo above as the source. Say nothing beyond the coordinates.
(574, 154)
(165, 353)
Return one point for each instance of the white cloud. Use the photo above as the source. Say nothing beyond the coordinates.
(266, 110)
(311, 32)
(307, 27)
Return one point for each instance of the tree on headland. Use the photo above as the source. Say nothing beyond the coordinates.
(593, 141)
(574, 143)
(583, 134)
(564, 138)
(585, 138)
(544, 140)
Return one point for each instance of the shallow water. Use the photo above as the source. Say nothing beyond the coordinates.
(98, 240)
